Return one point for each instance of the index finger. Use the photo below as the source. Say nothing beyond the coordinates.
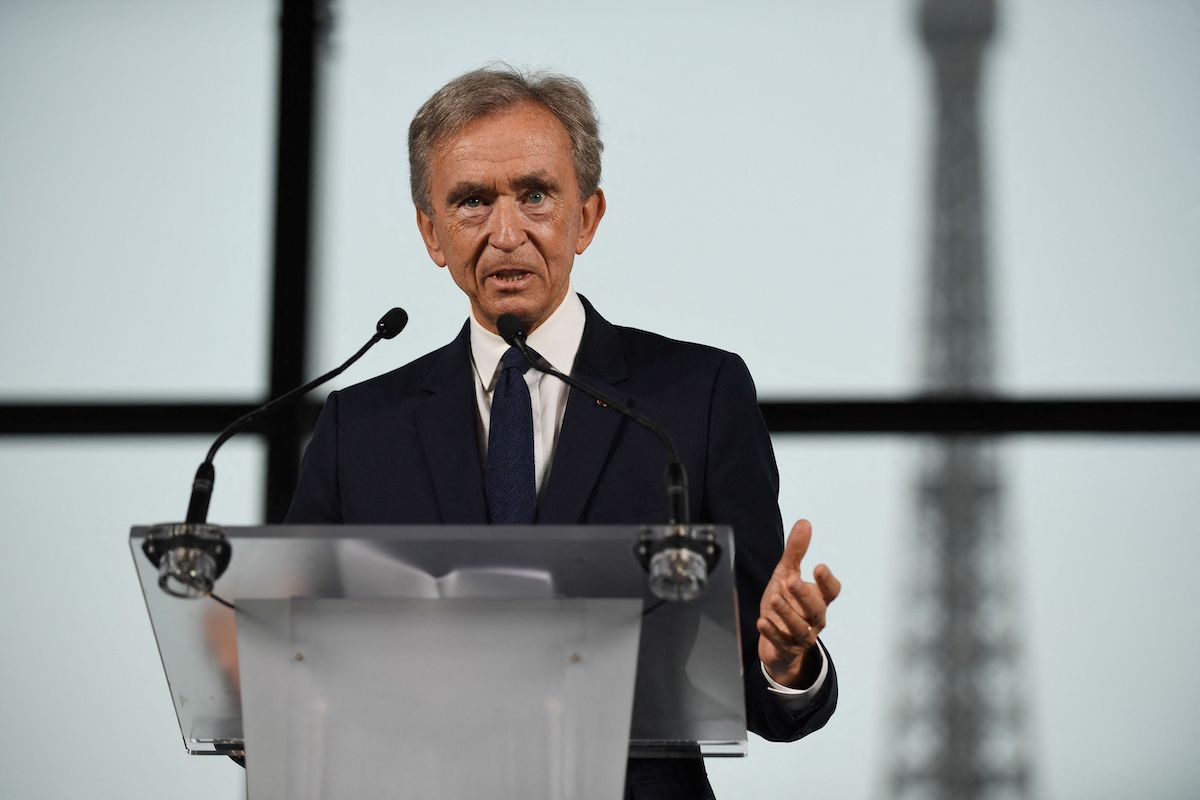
(829, 585)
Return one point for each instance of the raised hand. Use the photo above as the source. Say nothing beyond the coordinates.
(792, 611)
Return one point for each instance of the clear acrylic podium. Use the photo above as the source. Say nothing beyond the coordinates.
(444, 661)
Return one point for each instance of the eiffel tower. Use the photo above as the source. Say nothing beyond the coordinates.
(958, 725)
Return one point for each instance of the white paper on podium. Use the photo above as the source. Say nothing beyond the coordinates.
(499, 698)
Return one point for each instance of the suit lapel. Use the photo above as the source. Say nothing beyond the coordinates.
(589, 430)
(447, 427)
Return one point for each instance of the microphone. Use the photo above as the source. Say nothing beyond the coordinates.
(192, 554)
(677, 556)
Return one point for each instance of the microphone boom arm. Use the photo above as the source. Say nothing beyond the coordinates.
(191, 555)
(206, 474)
(677, 486)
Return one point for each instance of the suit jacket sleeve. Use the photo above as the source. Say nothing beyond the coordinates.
(741, 488)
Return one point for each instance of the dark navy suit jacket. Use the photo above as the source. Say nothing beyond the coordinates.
(403, 448)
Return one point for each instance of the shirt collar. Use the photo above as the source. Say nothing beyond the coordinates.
(557, 339)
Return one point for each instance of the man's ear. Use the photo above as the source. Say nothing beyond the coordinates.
(429, 235)
(592, 212)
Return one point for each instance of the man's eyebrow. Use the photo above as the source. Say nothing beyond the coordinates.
(463, 190)
(536, 180)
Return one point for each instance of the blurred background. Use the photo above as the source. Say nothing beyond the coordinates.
(871, 201)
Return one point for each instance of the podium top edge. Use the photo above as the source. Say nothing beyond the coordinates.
(440, 533)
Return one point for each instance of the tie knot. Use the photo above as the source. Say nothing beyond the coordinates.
(513, 359)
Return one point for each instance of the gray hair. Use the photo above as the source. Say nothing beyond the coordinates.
(484, 91)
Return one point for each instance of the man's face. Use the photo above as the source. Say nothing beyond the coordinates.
(507, 218)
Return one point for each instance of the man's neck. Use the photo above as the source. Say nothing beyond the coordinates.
(557, 338)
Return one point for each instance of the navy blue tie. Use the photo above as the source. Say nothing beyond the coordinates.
(511, 486)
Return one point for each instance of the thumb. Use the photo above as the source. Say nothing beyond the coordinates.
(797, 544)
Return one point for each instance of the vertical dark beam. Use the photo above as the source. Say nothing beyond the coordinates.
(302, 26)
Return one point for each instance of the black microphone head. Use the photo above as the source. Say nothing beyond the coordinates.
(510, 327)
(392, 323)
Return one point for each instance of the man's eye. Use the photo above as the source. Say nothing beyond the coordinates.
(472, 202)
(535, 197)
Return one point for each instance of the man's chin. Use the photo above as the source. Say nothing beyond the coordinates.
(531, 314)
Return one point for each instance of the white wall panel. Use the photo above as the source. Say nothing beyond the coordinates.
(136, 147)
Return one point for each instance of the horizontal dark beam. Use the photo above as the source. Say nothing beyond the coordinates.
(108, 419)
(987, 416)
(832, 416)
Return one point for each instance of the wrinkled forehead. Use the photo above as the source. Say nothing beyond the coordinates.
(523, 137)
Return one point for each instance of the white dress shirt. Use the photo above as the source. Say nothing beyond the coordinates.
(557, 339)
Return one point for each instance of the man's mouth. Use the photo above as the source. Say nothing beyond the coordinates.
(510, 277)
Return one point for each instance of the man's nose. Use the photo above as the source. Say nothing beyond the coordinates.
(507, 225)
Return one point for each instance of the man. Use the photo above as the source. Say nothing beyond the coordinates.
(505, 172)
